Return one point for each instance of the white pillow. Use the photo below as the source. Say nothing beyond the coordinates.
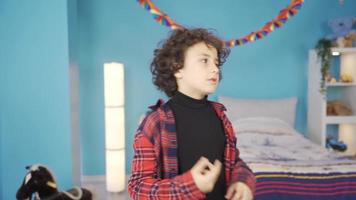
(283, 109)
(263, 125)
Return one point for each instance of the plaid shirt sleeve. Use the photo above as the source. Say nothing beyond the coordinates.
(144, 182)
(242, 173)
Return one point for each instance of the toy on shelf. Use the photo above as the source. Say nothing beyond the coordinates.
(338, 108)
(343, 32)
(329, 78)
(333, 80)
(346, 78)
(335, 145)
(350, 39)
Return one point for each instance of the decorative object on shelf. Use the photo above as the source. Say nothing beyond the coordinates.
(350, 39)
(330, 79)
(336, 145)
(323, 48)
(340, 42)
(343, 32)
(114, 126)
(338, 108)
(283, 16)
(333, 80)
(346, 78)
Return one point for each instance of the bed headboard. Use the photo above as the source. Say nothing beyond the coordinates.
(238, 108)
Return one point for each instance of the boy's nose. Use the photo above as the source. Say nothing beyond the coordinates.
(215, 68)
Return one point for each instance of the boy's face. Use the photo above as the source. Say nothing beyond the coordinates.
(200, 73)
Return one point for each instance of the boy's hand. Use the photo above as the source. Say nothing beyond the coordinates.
(238, 191)
(205, 174)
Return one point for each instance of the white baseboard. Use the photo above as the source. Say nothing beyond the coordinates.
(97, 178)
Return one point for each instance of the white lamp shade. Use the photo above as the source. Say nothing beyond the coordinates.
(114, 128)
(115, 171)
(114, 84)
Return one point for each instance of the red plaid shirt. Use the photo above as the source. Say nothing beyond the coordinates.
(155, 163)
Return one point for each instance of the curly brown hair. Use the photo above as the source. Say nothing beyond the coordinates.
(169, 58)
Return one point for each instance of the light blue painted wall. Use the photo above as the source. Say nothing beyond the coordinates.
(34, 85)
(1, 132)
(1, 145)
(122, 31)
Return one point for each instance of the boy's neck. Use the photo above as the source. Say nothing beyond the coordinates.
(194, 96)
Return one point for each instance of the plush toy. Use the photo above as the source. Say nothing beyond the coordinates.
(329, 78)
(341, 27)
(350, 39)
(346, 78)
(39, 181)
(338, 108)
(336, 145)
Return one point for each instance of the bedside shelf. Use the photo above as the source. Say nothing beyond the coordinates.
(341, 119)
(321, 126)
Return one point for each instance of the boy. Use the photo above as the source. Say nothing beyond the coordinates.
(185, 148)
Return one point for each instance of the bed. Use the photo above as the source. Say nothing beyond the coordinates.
(286, 164)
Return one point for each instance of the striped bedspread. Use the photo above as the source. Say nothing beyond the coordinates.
(290, 167)
(293, 186)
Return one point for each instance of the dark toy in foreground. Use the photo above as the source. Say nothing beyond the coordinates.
(39, 181)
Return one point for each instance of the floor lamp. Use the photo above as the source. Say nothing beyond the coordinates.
(114, 126)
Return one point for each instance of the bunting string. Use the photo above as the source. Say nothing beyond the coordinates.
(283, 16)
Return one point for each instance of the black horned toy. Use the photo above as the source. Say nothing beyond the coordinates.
(40, 184)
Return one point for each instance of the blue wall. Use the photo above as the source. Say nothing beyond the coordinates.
(35, 122)
(122, 31)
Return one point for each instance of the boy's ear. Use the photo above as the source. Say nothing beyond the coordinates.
(178, 74)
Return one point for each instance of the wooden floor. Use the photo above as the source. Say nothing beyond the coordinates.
(98, 188)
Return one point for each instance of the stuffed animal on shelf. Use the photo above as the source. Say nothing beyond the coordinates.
(39, 181)
(338, 108)
(329, 78)
(350, 39)
(342, 31)
(346, 78)
(339, 42)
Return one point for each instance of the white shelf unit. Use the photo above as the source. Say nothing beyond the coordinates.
(340, 84)
(318, 120)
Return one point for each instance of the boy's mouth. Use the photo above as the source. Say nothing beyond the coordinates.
(213, 80)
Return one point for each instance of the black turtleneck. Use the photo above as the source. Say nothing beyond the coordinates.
(199, 133)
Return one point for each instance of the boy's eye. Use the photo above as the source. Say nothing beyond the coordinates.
(204, 60)
(217, 62)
